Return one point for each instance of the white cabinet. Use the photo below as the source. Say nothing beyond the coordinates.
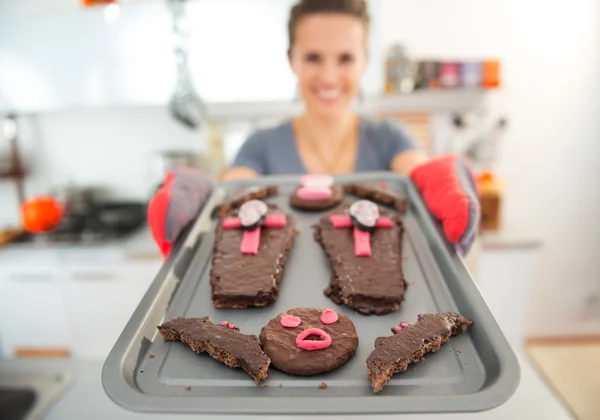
(33, 310)
(81, 307)
(101, 300)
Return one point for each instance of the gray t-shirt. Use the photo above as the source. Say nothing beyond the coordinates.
(272, 151)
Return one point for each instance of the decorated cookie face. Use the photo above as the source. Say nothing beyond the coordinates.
(306, 341)
(252, 214)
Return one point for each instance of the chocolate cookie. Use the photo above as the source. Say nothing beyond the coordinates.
(254, 193)
(223, 342)
(307, 341)
(316, 193)
(409, 343)
(365, 254)
(251, 248)
(379, 193)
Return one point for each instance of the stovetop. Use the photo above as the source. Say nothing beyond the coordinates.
(109, 222)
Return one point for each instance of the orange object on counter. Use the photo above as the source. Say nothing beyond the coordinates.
(490, 78)
(89, 3)
(40, 214)
(490, 199)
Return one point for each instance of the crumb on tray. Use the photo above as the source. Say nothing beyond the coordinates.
(187, 387)
(323, 385)
(151, 355)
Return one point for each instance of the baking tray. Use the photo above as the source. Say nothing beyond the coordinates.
(474, 371)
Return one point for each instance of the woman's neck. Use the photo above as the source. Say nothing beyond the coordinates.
(329, 133)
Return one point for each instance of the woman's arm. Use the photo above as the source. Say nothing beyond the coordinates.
(239, 172)
(404, 162)
(250, 160)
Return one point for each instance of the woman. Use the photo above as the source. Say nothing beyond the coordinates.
(327, 52)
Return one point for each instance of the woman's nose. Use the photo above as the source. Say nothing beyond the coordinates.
(330, 72)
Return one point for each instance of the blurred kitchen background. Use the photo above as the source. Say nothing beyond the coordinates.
(98, 100)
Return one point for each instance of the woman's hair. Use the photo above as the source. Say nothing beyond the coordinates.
(355, 8)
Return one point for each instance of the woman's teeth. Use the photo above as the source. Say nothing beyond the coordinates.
(328, 94)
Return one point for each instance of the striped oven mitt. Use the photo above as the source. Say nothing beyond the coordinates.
(175, 204)
(448, 188)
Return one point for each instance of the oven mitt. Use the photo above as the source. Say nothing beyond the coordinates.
(175, 204)
(448, 188)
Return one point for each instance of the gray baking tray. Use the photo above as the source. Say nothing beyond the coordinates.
(474, 371)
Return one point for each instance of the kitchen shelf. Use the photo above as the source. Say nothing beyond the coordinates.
(418, 101)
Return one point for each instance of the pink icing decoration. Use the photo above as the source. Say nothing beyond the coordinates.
(316, 180)
(340, 221)
(231, 223)
(314, 194)
(362, 243)
(275, 220)
(303, 344)
(362, 239)
(404, 324)
(397, 328)
(384, 222)
(250, 241)
(230, 325)
(290, 321)
(224, 323)
(329, 316)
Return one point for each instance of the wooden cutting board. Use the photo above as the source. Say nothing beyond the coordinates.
(9, 235)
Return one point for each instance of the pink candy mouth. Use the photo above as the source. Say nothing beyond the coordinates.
(310, 345)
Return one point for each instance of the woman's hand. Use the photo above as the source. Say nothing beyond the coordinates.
(449, 191)
(175, 204)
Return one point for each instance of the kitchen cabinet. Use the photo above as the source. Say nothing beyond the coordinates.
(101, 300)
(33, 310)
(81, 306)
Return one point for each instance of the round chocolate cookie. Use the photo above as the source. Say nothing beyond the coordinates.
(337, 194)
(307, 341)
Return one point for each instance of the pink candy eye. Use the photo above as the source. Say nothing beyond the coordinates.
(329, 316)
(290, 321)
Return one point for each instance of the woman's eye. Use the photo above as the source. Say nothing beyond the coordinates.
(346, 58)
(313, 58)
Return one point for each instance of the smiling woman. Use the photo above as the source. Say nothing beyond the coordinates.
(327, 52)
(328, 55)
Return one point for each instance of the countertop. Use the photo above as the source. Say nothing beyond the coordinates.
(137, 246)
(85, 398)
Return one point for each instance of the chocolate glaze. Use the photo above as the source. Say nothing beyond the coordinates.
(393, 354)
(279, 343)
(227, 345)
(240, 281)
(371, 285)
(375, 193)
(317, 205)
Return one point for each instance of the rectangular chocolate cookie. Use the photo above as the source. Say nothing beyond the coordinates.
(371, 285)
(409, 343)
(378, 194)
(259, 193)
(243, 280)
(223, 342)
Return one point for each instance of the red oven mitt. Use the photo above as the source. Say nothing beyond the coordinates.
(175, 204)
(449, 190)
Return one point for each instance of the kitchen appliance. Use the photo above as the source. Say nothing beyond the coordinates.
(91, 217)
(185, 105)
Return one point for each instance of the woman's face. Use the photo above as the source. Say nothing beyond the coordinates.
(329, 58)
